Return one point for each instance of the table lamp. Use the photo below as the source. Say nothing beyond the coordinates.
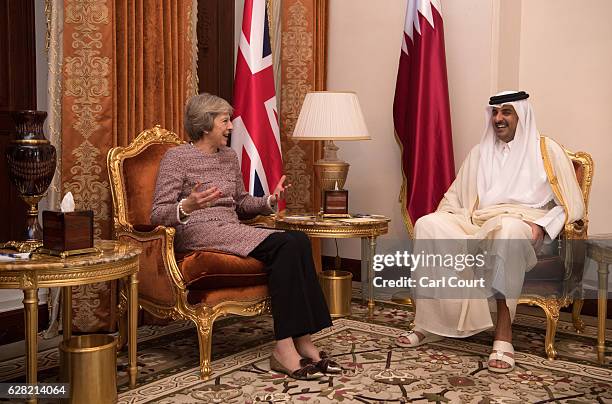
(329, 116)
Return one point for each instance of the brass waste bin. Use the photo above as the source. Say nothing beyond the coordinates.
(89, 364)
(337, 288)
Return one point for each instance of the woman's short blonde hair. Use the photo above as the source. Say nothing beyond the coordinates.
(201, 111)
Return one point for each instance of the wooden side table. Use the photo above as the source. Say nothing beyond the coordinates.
(600, 250)
(113, 260)
(366, 228)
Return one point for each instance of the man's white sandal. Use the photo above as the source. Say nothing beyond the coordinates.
(500, 349)
(413, 338)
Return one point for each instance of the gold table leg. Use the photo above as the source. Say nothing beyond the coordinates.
(133, 325)
(602, 301)
(67, 312)
(372, 251)
(365, 270)
(30, 305)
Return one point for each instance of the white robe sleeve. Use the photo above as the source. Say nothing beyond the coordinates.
(553, 221)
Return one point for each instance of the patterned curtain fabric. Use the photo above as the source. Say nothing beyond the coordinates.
(128, 65)
(303, 48)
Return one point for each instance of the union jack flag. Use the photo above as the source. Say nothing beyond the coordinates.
(256, 134)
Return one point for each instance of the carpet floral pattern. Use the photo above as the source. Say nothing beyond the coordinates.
(375, 370)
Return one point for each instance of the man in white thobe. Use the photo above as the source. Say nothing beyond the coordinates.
(514, 191)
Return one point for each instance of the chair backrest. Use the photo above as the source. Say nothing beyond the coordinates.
(133, 173)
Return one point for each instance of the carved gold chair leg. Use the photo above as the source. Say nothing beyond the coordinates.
(576, 309)
(205, 341)
(552, 318)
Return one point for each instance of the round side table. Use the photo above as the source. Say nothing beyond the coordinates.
(365, 227)
(113, 260)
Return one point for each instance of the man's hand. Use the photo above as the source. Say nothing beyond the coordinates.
(537, 235)
(200, 199)
(279, 190)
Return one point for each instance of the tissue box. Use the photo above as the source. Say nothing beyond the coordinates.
(335, 203)
(67, 231)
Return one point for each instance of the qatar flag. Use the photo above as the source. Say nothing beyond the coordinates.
(421, 111)
(256, 134)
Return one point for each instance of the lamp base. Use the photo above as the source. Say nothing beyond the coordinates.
(331, 174)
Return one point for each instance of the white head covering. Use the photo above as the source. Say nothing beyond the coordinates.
(523, 180)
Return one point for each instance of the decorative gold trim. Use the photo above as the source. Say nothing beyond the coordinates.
(57, 277)
(551, 307)
(114, 161)
(402, 196)
(579, 230)
(552, 178)
(260, 221)
(30, 141)
(22, 246)
(324, 229)
(203, 316)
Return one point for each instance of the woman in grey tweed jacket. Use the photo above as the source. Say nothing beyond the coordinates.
(200, 192)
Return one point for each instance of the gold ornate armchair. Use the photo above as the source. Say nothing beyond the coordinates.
(201, 285)
(556, 279)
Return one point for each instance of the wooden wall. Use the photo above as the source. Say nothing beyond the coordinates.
(17, 91)
(215, 33)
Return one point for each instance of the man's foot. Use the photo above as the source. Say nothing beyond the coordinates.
(501, 359)
(415, 338)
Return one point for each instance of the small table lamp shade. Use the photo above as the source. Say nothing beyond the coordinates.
(329, 116)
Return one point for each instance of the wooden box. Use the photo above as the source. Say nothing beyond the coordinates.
(66, 232)
(335, 203)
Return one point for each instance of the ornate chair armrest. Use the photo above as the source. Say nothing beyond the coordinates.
(576, 230)
(573, 251)
(260, 221)
(159, 273)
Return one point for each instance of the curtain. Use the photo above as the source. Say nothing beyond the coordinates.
(127, 65)
(154, 69)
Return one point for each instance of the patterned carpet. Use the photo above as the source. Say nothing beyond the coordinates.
(376, 371)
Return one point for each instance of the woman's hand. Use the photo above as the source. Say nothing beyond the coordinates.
(279, 190)
(200, 199)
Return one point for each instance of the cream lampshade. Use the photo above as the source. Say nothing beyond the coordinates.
(329, 116)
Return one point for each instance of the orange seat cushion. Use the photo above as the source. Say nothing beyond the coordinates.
(208, 270)
(214, 297)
